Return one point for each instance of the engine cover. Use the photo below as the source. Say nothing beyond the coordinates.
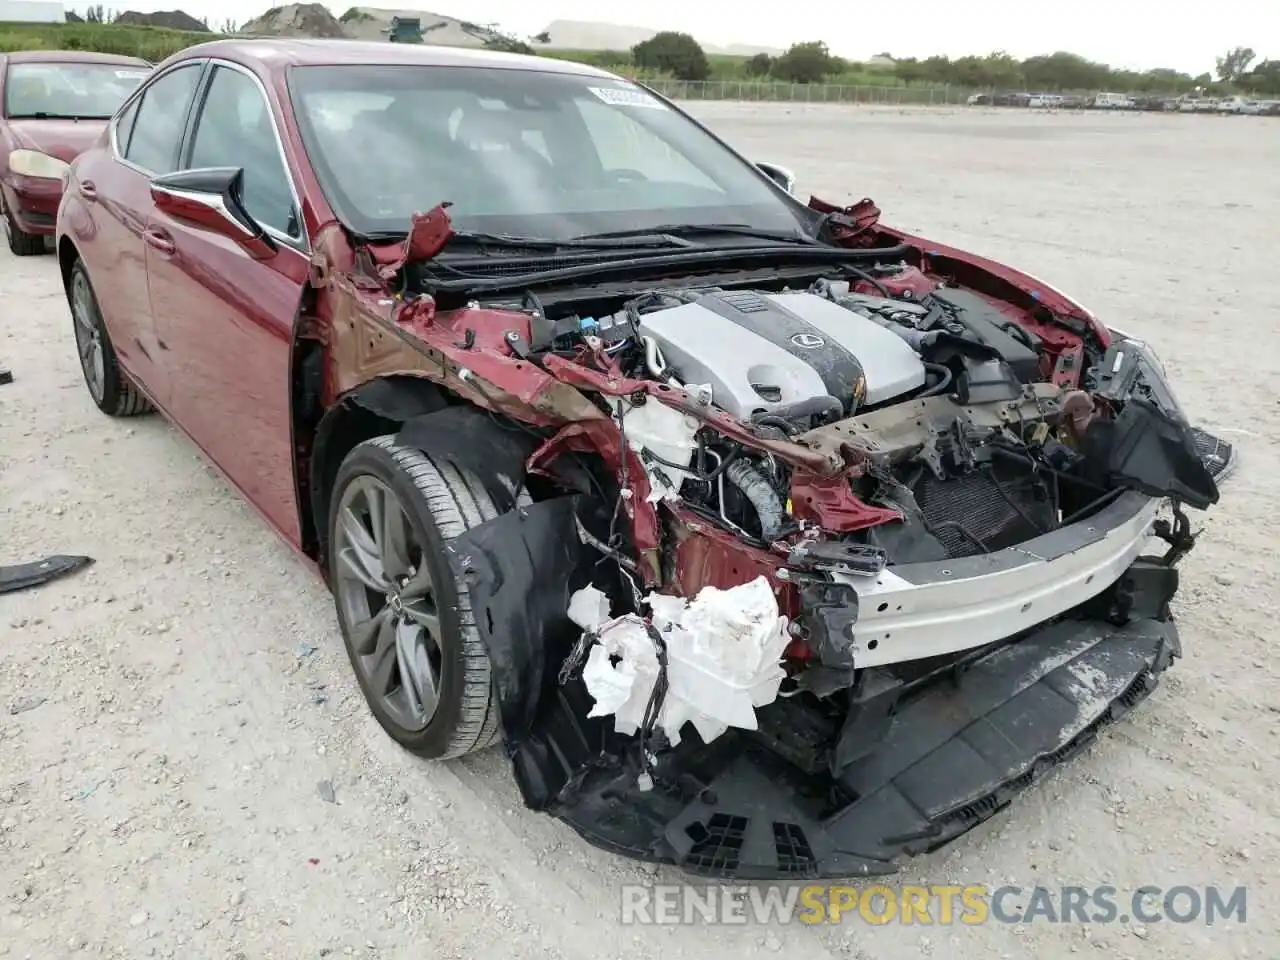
(763, 351)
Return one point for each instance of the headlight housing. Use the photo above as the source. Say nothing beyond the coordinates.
(32, 163)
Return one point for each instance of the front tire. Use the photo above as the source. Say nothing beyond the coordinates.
(108, 385)
(406, 619)
(21, 243)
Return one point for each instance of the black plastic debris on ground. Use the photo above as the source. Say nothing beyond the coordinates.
(6, 376)
(23, 576)
(951, 758)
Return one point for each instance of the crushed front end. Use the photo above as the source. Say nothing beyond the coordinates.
(832, 562)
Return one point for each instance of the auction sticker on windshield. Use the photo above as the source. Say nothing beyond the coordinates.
(131, 74)
(627, 97)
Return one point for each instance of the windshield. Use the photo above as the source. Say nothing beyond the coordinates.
(81, 90)
(518, 152)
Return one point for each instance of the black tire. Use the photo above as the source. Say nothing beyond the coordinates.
(21, 243)
(441, 503)
(119, 397)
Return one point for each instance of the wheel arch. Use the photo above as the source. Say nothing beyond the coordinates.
(322, 440)
(68, 254)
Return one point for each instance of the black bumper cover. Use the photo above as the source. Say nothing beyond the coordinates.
(951, 759)
(953, 754)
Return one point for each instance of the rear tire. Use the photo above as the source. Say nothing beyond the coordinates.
(440, 503)
(21, 243)
(108, 385)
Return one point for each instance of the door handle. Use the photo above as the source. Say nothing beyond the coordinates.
(88, 190)
(159, 240)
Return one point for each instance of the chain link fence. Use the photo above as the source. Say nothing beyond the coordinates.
(808, 92)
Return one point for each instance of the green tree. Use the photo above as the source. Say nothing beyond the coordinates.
(806, 63)
(994, 70)
(675, 53)
(1265, 78)
(1234, 65)
(760, 65)
(1065, 71)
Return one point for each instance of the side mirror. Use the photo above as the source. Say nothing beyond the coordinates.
(212, 198)
(779, 175)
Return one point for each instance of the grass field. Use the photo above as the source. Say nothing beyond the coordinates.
(150, 43)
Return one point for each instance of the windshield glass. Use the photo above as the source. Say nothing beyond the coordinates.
(518, 152)
(84, 90)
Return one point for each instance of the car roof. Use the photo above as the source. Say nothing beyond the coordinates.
(71, 56)
(278, 53)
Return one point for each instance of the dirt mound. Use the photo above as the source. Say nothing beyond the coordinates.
(171, 19)
(296, 20)
(372, 23)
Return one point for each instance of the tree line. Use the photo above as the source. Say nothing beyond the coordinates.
(680, 56)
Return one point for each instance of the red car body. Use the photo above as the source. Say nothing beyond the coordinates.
(32, 201)
(288, 347)
(193, 316)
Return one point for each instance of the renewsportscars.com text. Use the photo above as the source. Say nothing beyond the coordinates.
(941, 905)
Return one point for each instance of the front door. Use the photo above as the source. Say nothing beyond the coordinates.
(116, 194)
(226, 318)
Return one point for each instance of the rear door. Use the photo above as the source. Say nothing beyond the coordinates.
(226, 318)
(116, 193)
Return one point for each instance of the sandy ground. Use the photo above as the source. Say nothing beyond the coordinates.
(167, 715)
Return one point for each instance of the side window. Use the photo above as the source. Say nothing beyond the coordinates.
(157, 127)
(235, 129)
(625, 144)
(124, 126)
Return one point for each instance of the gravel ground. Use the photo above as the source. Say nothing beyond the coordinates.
(167, 717)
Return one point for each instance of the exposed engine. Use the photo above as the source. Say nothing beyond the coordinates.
(765, 354)
(954, 408)
(797, 361)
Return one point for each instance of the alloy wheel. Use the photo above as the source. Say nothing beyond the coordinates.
(387, 601)
(88, 329)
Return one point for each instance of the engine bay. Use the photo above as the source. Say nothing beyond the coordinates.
(969, 426)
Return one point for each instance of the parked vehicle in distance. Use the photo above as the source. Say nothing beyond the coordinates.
(771, 540)
(53, 104)
(1198, 105)
(1235, 105)
(1046, 100)
(1113, 101)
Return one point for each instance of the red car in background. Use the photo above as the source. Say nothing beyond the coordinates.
(53, 105)
(508, 347)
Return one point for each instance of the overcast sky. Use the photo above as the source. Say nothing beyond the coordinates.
(1138, 34)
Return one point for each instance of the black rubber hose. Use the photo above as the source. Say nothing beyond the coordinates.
(1105, 500)
(768, 420)
(863, 275)
(698, 473)
(946, 377)
(801, 409)
(753, 485)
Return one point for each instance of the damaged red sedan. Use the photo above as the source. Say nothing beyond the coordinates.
(53, 104)
(768, 540)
